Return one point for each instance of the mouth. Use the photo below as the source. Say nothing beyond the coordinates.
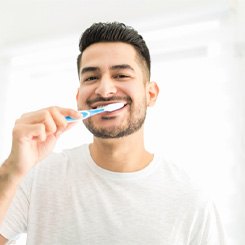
(100, 105)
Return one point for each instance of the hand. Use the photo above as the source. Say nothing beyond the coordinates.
(35, 135)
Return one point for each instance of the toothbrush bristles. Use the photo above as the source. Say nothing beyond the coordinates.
(115, 106)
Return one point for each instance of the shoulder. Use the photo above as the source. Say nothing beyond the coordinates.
(173, 173)
(55, 166)
(191, 199)
(181, 185)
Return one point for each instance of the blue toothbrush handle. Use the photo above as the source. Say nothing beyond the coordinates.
(69, 119)
(95, 111)
(86, 114)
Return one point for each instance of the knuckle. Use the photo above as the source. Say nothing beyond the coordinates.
(62, 125)
(26, 114)
(23, 115)
(21, 118)
(45, 115)
(53, 109)
(16, 130)
(17, 121)
(41, 127)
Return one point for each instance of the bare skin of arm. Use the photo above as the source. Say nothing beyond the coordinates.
(34, 137)
(8, 184)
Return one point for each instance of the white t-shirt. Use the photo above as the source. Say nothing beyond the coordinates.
(68, 199)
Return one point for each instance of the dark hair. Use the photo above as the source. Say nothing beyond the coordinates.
(114, 32)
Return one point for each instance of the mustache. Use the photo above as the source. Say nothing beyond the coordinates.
(113, 98)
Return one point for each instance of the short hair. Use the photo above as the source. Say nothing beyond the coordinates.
(115, 32)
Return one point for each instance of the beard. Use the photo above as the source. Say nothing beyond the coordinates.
(134, 121)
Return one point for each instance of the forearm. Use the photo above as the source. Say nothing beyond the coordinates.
(9, 182)
(34, 136)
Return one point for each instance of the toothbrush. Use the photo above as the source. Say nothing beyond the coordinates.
(92, 112)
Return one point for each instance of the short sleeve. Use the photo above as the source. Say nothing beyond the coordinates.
(208, 228)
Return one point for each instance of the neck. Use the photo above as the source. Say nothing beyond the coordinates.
(126, 154)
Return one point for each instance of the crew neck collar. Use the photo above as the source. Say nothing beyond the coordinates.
(119, 175)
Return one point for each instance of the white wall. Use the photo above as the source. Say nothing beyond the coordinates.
(199, 120)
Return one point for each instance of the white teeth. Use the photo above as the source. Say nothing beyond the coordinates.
(100, 106)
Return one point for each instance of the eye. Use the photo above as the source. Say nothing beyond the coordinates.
(90, 78)
(121, 76)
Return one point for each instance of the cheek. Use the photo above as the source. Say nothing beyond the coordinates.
(85, 92)
(134, 90)
(138, 92)
(81, 97)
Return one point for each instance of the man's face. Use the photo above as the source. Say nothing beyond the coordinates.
(109, 73)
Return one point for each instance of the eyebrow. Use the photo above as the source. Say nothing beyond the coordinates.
(122, 67)
(115, 67)
(89, 68)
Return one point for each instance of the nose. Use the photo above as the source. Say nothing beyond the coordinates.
(106, 87)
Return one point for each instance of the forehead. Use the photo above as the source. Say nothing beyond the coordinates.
(109, 54)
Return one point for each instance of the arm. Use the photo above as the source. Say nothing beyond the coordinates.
(8, 184)
(3, 240)
(34, 136)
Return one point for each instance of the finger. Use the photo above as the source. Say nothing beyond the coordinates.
(27, 132)
(70, 112)
(70, 125)
(59, 115)
(58, 119)
(39, 116)
(53, 118)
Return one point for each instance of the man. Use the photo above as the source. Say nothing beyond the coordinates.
(112, 191)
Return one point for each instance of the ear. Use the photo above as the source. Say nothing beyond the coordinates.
(152, 91)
